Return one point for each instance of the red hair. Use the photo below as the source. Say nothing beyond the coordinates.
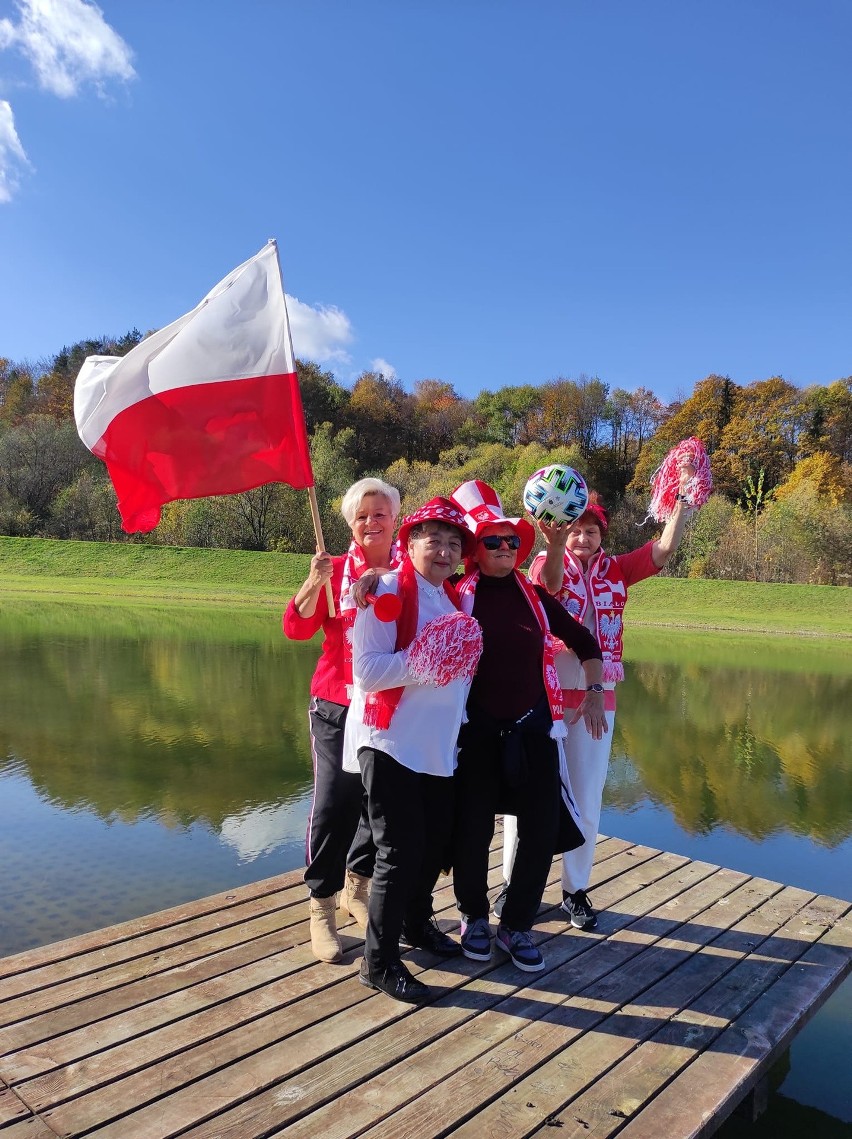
(597, 512)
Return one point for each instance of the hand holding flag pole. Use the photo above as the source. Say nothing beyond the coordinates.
(208, 405)
(312, 494)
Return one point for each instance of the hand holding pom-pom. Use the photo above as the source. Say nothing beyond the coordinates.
(685, 472)
(447, 648)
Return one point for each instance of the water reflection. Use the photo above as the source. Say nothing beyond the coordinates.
(146, 758)
(751, 749)
(182, 727)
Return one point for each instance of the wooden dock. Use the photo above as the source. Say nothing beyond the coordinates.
(213, 1020)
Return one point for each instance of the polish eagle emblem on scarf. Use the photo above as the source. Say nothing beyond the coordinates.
(610, 629)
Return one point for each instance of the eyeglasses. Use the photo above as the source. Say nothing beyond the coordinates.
(495, 541)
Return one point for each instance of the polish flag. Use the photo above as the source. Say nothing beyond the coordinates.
(208, 405)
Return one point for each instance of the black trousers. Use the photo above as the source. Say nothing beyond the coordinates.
(481, 792)
(411, 816)
(338, 829)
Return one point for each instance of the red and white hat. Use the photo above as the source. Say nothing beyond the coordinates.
(482, 507)
(439, 510)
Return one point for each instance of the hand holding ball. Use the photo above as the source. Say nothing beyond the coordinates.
(556, 494)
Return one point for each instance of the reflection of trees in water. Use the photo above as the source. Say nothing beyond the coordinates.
(761, 752)
(186, 730)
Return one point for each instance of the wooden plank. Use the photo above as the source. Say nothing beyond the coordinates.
(184, 935)
(644, 951)
(268, 1043)
(32, 1128)
(117, 970)
(456, 1042)
(490, 986)
(11, 1107)
(136, 927)
(730, 973)
(733, 1063)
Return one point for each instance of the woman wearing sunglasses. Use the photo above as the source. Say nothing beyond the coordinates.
(508, 759)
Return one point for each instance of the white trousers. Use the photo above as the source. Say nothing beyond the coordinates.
(588, 761)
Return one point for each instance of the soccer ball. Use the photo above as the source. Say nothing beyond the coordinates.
(556, 494)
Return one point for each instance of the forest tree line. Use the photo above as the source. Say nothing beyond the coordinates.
(781, 458)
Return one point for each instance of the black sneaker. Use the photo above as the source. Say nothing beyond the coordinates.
(395, 980)
(578, 907)
(430, 936)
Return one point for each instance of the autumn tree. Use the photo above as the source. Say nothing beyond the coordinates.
(439, 414)
(37, 459)
(379, 412)
(55, 387)
(763, 434)
(705, 415)
(506, 416)
(324, 400)
(17, 392)
(571, 412)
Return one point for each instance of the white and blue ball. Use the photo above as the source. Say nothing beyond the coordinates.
(556, 494)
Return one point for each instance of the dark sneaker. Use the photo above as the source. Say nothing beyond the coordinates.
(476, 939)
(430, 936)
(395, 980)
(519, 945)
(500, 901)
(579, 909)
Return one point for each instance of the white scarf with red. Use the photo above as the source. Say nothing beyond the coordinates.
(354, 565)
(550, 645)
(379, 707)
(604, 586)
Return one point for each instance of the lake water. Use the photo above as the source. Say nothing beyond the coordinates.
(151, 757)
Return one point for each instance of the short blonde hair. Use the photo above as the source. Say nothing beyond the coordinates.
(363, 489)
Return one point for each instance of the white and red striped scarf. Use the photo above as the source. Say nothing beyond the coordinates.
(353, 566)
(379, 707)
(551, 645)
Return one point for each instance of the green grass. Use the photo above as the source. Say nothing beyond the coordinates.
(743, 606)
(116, 572)
(143, 575)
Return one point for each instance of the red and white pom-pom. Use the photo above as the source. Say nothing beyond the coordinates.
(665, 482)
(447, 648)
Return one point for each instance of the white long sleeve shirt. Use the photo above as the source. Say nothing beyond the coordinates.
(423, 732)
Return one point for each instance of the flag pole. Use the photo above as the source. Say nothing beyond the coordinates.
(312, 494)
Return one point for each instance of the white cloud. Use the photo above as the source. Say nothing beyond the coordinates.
(69, 44)
(383, 368)
(13, 158)
(260, 830)
(320, 332)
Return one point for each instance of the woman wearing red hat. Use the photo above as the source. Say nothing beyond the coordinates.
(508, 755)
(412, 665)
(592, 587)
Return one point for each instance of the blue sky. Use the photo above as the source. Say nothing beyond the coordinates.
(479, 191)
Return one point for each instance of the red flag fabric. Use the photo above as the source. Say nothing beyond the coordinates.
(208, 405)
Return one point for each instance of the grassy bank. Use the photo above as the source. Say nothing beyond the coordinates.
(102, 573)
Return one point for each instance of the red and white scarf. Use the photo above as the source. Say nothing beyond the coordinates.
(550, 645)
(379, 707)
(354, 565)
(605, 587)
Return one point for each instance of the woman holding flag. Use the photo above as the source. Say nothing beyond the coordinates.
(339, 851)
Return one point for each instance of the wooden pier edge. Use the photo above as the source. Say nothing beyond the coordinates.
(211, 1019)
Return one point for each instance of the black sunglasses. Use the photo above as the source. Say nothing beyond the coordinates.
(495, 541)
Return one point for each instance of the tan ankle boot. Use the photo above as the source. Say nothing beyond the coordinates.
(325, 942)
(354, 897)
